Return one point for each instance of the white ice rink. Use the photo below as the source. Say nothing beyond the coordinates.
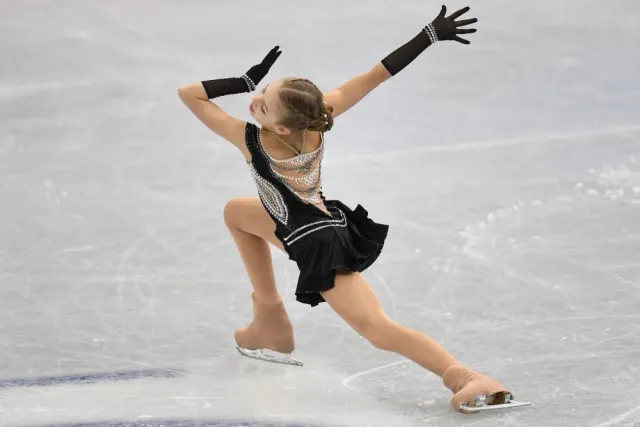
(508, 170)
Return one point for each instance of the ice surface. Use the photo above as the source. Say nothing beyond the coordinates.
(508, 171)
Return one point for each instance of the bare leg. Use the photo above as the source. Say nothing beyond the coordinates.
(352, 298)
(251, 228)
(270, 330)
(355, 301)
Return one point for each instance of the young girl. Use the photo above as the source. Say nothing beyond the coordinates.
(330, 243)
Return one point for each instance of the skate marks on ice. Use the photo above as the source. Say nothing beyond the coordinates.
(569, 367)
(621, 418)
(569, 138)
(404, 388)
(526, 248)
(502, 229)
(562, 252)
(348, 380)
(421, 397)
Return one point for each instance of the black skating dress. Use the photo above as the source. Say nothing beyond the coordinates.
(322, 242)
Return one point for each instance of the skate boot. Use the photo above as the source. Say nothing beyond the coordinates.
(269, 336)
(474, 392)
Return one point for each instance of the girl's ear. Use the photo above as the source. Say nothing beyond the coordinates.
(281, 130)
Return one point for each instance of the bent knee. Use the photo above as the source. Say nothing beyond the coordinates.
(233, 211)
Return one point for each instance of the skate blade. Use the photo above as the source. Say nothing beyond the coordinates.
(479, 404)
(269, 356)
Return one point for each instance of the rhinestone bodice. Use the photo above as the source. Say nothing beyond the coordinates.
(284, 184)
(301, 174)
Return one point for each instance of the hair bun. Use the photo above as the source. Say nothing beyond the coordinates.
(325, 122)
(304, 106)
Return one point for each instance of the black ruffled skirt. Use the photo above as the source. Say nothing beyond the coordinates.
(324, 247)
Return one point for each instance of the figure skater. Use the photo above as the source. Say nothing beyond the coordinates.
(330, 243)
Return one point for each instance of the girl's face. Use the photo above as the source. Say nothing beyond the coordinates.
(266, 107)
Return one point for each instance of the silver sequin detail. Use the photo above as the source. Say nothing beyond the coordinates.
(249, 82)
(301, 174)
(315, 226)
(271, 197)
(431, 32)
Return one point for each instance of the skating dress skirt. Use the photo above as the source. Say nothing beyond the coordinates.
(323, 243)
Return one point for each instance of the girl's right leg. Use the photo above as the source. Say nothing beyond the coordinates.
(270, 330)
(253, 229)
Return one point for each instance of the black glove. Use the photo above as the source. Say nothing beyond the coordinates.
(448, 28)
(442, 28)
(246, 83)
(259, 71)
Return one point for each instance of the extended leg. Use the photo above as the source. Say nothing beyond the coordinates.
(355, 301)
(270, 334)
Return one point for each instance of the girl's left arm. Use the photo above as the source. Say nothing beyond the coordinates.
(350, 93)
(442, 28)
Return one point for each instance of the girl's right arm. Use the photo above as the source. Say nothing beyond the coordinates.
(197, 97)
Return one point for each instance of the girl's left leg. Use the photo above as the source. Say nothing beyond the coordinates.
(355, 301)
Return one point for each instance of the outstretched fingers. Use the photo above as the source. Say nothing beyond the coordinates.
(443, 12)
(274, 51)
(460, 40)
(447, 28)
(466, 22)
(459, 13)
(273, 55)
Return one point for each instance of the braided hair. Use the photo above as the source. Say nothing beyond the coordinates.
(304, 106)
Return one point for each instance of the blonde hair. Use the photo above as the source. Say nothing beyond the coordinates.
(304, 107)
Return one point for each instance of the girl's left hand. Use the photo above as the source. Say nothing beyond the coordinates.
(259, 71)
(449, 28)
